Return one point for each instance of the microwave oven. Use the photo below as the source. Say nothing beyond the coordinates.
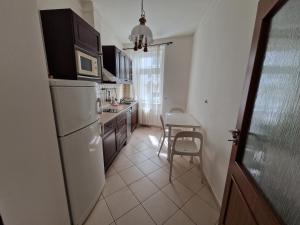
(87, 65)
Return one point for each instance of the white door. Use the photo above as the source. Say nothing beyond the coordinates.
(82, 157)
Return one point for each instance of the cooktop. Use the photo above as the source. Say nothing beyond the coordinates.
(110, 110)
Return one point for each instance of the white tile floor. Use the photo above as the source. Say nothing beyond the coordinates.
(138, 191)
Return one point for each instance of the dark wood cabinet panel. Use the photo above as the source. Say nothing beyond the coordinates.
(121, 130)
(109, 147)
(127, 68)
(117, 66)
(134, 117)
(130, 70)
(58, 38)
(117, 63)
(122, 66)
(85, 35)
(114, 138)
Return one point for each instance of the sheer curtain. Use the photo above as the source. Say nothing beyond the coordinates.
(148, 75)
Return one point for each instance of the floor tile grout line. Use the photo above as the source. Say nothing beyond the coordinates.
(115, 220)
(159, 188)
(109, 209)
(141, 203)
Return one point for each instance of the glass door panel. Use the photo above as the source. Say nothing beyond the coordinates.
(272, 152)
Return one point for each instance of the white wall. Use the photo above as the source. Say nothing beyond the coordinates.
(108, 35)
(221, 50)
(75, 5)
(178, 58)
(32, 189)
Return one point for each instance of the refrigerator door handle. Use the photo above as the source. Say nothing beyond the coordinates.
(99, 106)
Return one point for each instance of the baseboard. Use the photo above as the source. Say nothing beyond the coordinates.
(211, 190)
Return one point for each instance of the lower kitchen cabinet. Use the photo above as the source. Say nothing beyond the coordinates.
(114, 138)
(109, 143)
(134, 117)
(121, 130)
(115, 135)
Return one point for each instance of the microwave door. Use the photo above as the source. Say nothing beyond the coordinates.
(87, 65)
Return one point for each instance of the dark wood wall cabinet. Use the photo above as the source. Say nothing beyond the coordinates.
(65, 33)
(117, 63)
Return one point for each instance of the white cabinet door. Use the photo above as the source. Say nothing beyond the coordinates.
(82, 157)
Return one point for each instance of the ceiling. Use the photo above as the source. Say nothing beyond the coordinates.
(166, 18)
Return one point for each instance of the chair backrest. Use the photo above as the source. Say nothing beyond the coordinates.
(162, 124)
(189, 134)
(178, 110)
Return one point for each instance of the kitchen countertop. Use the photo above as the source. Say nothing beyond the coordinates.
(108, 116)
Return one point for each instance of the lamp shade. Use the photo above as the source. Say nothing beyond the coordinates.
(143, 31)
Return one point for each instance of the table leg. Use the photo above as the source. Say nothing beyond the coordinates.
(192, 157)
(169, 142)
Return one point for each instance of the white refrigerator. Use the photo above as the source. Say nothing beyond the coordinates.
(77, 108)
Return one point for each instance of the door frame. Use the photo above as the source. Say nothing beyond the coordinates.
(237, 173)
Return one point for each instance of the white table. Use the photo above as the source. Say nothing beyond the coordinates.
(184, 120)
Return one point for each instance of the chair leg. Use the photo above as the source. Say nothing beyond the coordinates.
(161, 136)
(161, 145)
(171, 167)
(192, 159)
(201, 169)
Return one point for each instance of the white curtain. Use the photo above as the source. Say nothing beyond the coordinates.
(148, 75)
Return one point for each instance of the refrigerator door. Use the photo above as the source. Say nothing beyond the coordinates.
(82, 157)
(76, 105)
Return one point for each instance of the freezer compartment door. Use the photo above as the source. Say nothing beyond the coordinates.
(82, 157)
(75, 107)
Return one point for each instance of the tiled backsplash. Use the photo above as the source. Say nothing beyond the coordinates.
(123, 90)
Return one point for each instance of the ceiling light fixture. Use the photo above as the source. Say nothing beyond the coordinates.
(141, 35)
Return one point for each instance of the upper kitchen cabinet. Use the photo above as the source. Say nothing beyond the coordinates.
(117, 63)
(85, 35)
(73, 47)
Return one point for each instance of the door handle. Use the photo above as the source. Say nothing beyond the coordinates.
(235, 136)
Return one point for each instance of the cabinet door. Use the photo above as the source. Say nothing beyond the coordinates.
(117, 59)
(109, 148)
(86, 36)
(130, 70)
(121, 138)
(134, 117)
(122, 66)
(127, 67)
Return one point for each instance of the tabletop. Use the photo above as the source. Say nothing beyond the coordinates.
(180, 120)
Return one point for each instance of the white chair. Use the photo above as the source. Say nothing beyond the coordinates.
(186, 146)
(165, 133)
(176, 110)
